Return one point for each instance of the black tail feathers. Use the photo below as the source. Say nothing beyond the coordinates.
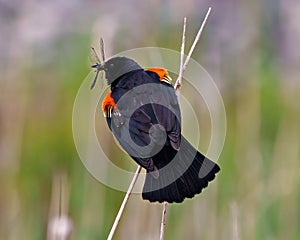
(184, 177)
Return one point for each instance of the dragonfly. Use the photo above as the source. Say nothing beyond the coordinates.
(98, 64)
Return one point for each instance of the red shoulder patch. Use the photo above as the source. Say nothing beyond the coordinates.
(162, 73)
(108, 105)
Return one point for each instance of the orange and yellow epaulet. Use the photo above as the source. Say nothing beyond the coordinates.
(108, 105)
(162, 73)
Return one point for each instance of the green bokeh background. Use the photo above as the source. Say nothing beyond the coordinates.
(251, 49)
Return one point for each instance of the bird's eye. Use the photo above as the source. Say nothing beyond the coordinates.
(111, 65)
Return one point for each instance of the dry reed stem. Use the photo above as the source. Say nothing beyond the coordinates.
(179, 79)
(177, 87)
(118, 217)
(163, 221)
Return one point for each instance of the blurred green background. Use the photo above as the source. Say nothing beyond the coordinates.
(251, 49)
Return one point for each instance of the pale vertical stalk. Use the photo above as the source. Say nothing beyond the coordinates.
(118, 217)
(163, 221)
(177, 87)
(196, 40)
(178, 81)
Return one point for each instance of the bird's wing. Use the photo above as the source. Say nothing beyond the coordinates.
(147, 119)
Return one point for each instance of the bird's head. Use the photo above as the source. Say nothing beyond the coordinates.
(116, 67)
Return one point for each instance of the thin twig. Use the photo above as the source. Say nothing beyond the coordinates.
(118, 217)
(181, 70)
(177, 87)
(196, 40)
(163, 221)
(178, 81)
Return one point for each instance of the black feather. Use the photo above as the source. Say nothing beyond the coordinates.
(151, 116)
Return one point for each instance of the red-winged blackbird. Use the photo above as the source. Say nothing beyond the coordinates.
(143, 113)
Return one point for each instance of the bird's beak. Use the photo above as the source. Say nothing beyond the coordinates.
(99, 67)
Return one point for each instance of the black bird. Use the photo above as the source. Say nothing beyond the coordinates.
(143, 113)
